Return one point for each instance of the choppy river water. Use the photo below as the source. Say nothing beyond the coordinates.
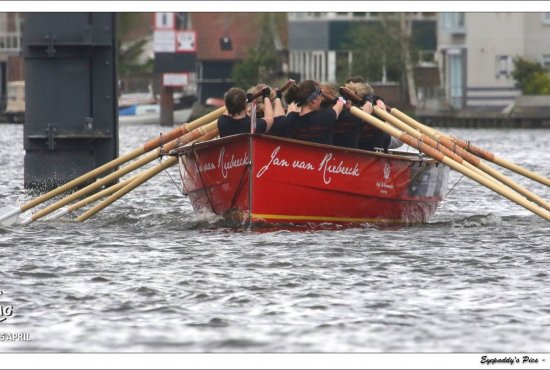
(148, 274)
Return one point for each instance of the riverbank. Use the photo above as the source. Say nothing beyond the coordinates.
(528, 111)
(478, 119)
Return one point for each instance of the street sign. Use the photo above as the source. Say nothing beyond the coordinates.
(186, 41)
(175, 79)
(164, 41)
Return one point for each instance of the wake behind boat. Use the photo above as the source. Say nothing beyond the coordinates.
(258, 179)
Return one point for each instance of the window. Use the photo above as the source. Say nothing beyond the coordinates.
(453, 21)
(456, 78)
(546, 18)
(503, 66)
(546, 62)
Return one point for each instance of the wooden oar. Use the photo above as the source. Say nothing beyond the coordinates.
(472, 162)
(210, 135)
(92, 198)
(453, 151)
(350, 94)
(207, 132)
(131, 186)
(115, 175)
(439, 156)
(9, 214)
(482, 153)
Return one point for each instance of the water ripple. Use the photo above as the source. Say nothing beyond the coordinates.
(149, 274)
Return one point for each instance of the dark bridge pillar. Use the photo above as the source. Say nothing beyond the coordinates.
(70, 91)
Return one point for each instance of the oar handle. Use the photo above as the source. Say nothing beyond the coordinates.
(256, 95)
(182, 130)
(350, 94)
(289, 83)
(328, 97)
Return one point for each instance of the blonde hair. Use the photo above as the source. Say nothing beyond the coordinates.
(360, 88)
(331, 91)
(260, 100)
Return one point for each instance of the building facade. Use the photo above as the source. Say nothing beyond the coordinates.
(11, 63)
(317, 41)
(476, 52)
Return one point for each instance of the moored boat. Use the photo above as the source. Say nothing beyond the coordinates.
(258, 179)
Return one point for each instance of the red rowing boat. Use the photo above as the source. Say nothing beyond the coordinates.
(258, 179)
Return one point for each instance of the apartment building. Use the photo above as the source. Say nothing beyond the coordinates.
(476, 52)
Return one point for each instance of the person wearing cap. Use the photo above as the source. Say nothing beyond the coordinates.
(235, 119)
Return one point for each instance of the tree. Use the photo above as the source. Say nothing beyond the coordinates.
(129, 59)
(375, 55)
(531, 77)
(249, 71)
(129, 53)
(262, 63)
(537, 84)
(399, 27)
(385, 48)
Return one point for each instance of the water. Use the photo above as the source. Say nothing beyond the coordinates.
(147, 274)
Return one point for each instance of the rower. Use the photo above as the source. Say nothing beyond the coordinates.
(346, 128)
(279, 127)
(312, 123)
(371, 137)
(235, 119)
(329, 92)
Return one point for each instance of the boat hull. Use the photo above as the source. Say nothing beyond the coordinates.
(259, 179)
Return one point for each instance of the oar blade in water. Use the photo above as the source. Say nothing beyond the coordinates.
(55, 215)
(9, 214)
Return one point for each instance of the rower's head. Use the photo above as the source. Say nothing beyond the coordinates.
(360, 88)
(329, 91)
(260, 100)
(356, 79)
(308, 94)
(235, 100)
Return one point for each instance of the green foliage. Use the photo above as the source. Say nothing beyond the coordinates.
(126, 22)
(538, 83)
(128, 60)
(261, 63)
(531, 77)
(128, 56)
(255, 68)
(373, 48)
